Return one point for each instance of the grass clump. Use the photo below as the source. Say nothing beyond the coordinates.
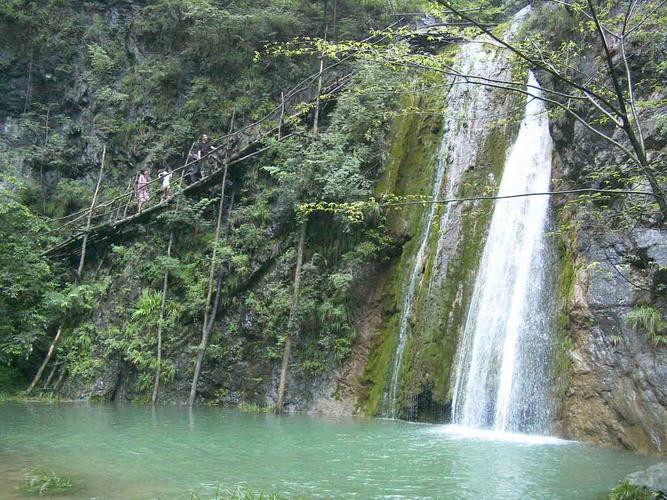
(39, 482)
(239, 493)
(649, 320)
(627, 491)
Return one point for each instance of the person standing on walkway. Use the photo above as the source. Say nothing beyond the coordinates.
(142, 188)
(205, 156)
(195, 167)
(165, 176)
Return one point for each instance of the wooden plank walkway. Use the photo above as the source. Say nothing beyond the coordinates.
(250, 141)
(105, 230)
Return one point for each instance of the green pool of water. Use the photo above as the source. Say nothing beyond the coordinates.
(134, 452)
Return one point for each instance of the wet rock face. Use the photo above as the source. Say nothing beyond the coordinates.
(653, 479)
(618, 381)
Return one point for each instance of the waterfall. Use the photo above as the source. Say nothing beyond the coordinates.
(503, 361)
(464, 130)
(457, 148)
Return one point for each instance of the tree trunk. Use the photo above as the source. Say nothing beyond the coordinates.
(291, 322)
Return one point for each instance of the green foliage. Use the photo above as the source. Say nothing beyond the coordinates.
(255, 408)
(26, 280)
(239, 493)
(39, 483)
(627, 491)
(650, 321)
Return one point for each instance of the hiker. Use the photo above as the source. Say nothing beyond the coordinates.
(204, 154)
(142, 188)
(195, 167)
(165, 175)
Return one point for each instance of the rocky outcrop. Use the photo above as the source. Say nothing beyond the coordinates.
(653, 479)
(617, 390)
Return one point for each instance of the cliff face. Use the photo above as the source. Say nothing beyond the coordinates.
(617, 393)
(614, 373)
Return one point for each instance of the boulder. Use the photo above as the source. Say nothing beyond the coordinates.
(654, 478)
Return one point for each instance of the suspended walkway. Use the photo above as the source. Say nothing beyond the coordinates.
(105, 220)
(102, 221)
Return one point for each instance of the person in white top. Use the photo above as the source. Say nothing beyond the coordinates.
(165, 175)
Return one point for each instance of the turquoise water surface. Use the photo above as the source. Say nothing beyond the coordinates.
(135, 452)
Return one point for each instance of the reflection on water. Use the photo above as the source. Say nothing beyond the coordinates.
(131, 451)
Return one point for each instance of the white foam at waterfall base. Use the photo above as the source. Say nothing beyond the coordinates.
(462, 432)
(504, 356)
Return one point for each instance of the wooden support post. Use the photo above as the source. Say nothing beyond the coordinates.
(90, 216)
(128, 192)
(291, 322)
(319, 89)
(61, 377)
(205, 330)
(317, 100)
(163, 304)
(130, 195)
(48, 379)
(232, 123)
(282, 115)
(82, 260)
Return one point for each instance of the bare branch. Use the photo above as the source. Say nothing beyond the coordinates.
(645, 18)
(527, 58)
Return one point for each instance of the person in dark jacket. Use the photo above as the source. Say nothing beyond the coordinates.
(204, 155)
(195, 167)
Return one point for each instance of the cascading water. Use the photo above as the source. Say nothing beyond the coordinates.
(503, 365)
(466, 126)
(457, 144)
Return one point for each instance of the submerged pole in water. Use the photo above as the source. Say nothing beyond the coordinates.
(206, 330)
(79, 271)
(291, 322)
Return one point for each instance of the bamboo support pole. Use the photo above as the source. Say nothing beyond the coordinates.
(163, 304)
(90, 216)
(317, 101)
(205, 329)
(48, 379)
(61, 377)
(282, 115)
(120, 205)
(82, 260)
(291, 322)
